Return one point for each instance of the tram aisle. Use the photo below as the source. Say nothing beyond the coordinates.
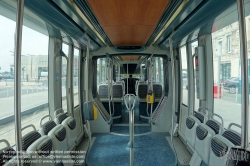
(122, 127)
(113, 150)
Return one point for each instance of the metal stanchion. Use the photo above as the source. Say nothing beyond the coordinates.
(17, 81)
(244, 73)
(129, 100)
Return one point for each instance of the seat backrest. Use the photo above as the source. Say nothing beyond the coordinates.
(232, 136)
(142, 90)
(37, 147)
(57, 134)
(103, 91)
(221, 146)
(29, 139)
(191, 123)
(70, 125)
(157, 90)
(41, 150)
(47, 127)
(7, 154)
(118, 90)
(204, 134)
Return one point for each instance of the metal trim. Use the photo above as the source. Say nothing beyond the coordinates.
(165, 20)
(17, 78)
(244, 71)
(86, 10)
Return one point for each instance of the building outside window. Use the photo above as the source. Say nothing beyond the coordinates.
(229, 43)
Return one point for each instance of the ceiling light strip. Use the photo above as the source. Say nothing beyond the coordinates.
(171, 19)
(86, 20)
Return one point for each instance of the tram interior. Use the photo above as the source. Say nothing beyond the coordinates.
(122, 83)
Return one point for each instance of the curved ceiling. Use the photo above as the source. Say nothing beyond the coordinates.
(128, 22)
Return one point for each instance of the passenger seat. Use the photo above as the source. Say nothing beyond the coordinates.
(103, 91)
(222, 144)
(204, 134)
(70, 125)
(141, 92)
(37, 147)
(191, 123)
(57, 134)
(7, 154)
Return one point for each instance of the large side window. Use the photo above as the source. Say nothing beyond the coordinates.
(34, 78)
(184, 75)
(227, 75)
(158, 70)
(65, 49)
(75, 77)
(7, 31)
(101, 72)
(34, 74)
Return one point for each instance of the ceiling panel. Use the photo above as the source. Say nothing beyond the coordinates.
(128, 22)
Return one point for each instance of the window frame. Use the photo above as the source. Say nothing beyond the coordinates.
(184, 46)
(73, 72)
(67, 54)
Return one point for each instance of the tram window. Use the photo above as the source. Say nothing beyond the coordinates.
(196, 100)
(158, 70)
(34, 76)
(65, 49)
(184, 76)
(34, 81)
(75, 76)
(227, 77)
(98, 77)
(101, 70)
(7, 31)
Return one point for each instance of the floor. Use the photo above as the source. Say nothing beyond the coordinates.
(113, 150)
(125, 116)
(125, 129)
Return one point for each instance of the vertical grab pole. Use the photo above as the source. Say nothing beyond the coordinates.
(131, 112)
(127, 78)
(130, 106)
(151, 84)
(109, 86)
(112, 77)
(17, 81)
(86, 71)
(173, 87)
(244, 71)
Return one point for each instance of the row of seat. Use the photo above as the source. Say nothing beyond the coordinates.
(117, 100)
(118, 93)
(142, 90)
(49, 145)
(118, 90)
(209, 139)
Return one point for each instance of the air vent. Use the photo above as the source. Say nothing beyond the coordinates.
(129, 48)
